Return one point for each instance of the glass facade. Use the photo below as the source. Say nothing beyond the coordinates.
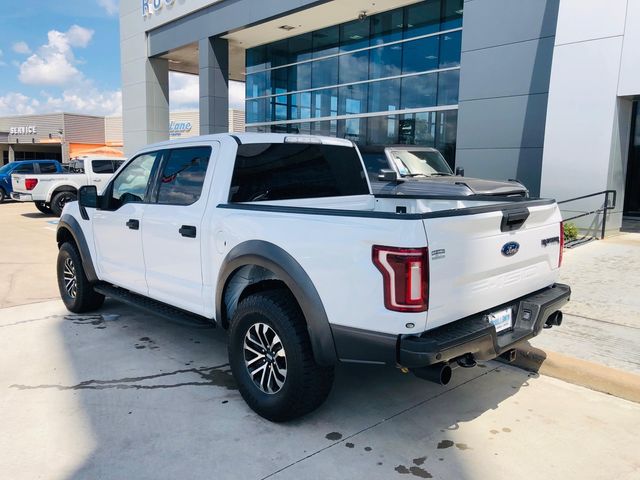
(390, 79)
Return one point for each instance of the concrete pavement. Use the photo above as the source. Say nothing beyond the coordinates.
(27, 256)
(120, 394)
(597, 344)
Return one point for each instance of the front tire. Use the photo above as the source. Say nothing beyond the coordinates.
(59, 200)
(76, 291)
(43, 208)
(271, 357)
(3, 195)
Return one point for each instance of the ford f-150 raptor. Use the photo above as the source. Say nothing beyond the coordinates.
(278, 239)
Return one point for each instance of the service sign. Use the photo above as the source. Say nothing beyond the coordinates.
(24, 130)
(149, 7)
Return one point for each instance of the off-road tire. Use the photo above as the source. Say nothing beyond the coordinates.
(307, 384)
(85, 298)
(3, 195)
(60, 199)
(43, 208)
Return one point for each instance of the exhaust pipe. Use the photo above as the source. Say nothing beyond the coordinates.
(554, 320)
(439, 373)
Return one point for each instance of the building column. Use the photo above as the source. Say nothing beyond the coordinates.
(12, 154)
(145, 95)
(214, 86)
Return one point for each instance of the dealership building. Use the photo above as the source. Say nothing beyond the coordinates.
(62, 136)
(543, 91)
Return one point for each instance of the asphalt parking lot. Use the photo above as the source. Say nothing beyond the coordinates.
(120, 394)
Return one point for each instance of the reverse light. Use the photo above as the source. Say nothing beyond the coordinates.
(561, 244)
(405, 273)
(30, 183)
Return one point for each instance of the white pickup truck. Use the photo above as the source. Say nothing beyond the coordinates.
(51, 192)
(278, 239)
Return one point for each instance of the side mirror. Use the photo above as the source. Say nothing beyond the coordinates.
(459, 172)
(387, 175)
(88, 196)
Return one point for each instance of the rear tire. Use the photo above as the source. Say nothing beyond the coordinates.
(44, 208)
(76, 291)
(59, 200)
(273, 318)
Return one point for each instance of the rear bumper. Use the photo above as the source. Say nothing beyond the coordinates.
(471, 335)
(475, 335)
(22, 197)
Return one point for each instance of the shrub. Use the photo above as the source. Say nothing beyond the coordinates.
(570, 232)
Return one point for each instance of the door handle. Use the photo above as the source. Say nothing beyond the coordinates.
(97, 180)
(188, 231)
(133, 224)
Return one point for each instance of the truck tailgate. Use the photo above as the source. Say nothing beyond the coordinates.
(17, 182)
(476, 263)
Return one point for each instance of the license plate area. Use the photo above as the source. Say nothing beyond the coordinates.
(501, 319)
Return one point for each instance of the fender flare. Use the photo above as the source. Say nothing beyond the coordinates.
(69, 223)
(287, 269)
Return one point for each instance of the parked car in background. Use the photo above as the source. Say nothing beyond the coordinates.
(51, 193)
(278, 239)
(26, 167)
(411, 170)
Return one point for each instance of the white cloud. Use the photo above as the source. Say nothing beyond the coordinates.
(21, 48)
(88, 101)
(184, 92)
(110, 6)
(54, 63)
(18, 104)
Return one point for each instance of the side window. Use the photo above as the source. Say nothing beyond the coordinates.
(284, 171)
(102, 166)
(47, 168)
(24, 168)
(131, 183)
(183, 175)
(76, 166)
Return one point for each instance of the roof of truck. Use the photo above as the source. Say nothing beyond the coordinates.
(249, 138)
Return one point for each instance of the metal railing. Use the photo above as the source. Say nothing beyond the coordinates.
(607, 205)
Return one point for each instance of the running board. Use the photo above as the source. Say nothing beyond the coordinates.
(154, 307)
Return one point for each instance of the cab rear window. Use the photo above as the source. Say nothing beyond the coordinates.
(285, 171)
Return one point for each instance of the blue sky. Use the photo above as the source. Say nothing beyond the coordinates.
(64, 55)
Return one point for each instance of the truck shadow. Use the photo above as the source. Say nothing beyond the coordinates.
(159, 397)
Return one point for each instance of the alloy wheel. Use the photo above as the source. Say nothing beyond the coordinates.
(265, 358)
(70, 280)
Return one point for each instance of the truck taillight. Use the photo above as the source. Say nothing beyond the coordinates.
(561, 244)
(30, 183)
(405, 273)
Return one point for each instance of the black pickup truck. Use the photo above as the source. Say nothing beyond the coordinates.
(414, 170)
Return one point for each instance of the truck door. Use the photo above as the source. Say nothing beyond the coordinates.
(117, 229)
(172, 227)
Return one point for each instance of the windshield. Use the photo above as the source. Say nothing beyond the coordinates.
(6, 168)
(420, 162)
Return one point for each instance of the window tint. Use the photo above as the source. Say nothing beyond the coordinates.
(47, 168)
(131, 183)
(103, 166)
(25, 168)
(265, 171)
(183, 175)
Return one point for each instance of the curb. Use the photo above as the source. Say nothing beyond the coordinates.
(579, 372)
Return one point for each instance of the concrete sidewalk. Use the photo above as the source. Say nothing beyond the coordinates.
(602, 321)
